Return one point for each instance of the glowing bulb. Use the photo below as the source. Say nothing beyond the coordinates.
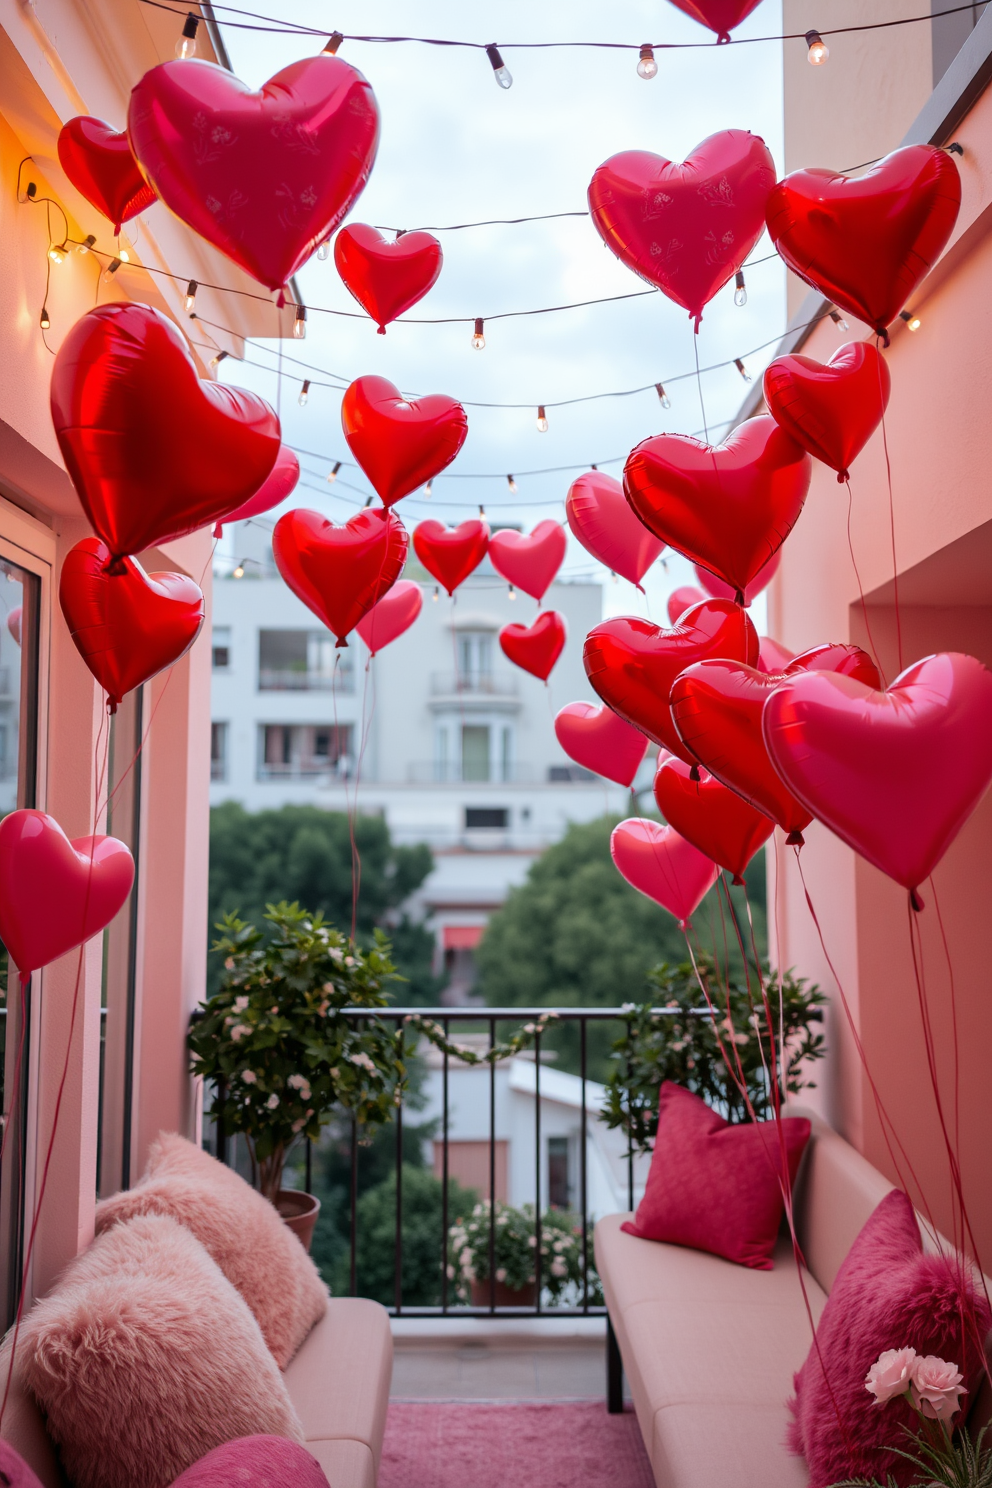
(87, 243)
(542, 420)
(110, 270)
(334, 472)
(190, 300)
(482, 512)
(221, 356)
(335, 41)
(512, 485)
(742, 369)
(186, 45)
(304, 394)
(123, 255)
(57, 253)
(839, 320)
(663, 399)
(324, 250)
(428, 489)
(513, 592)
(43, 319)
(913, 322)
(478, 339)
(740, 293)
(647, 67)
(500, 71)
(436, 594)
(239, 572)
(300, 323)
(818, 49)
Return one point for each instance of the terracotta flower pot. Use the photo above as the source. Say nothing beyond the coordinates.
(299, 1210)
(506, 1296)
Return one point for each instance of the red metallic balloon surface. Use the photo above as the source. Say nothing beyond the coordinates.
(278, 484)
(866, 242)
(450, 554)
(601, 741)
(535, 647)
(14, 623)
(530, 563)
(663, 866)
(126, 626)
(685, 228)
(831, 408)
(394, 613)
(56, 894)
(99, 163)
(719, 590)
(604, 524)
(265, 176)
(727, 507)
(683, 599)
(632, 663)
(720, 15)
(153, 451)
(714, 819)
(340, 572)
(400, 443)
(386, 278)
(895, 774)
(773, 656)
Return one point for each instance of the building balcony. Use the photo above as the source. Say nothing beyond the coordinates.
(495, 689)
(454, 772)
(293, 679)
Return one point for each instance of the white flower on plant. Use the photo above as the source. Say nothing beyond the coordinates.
(627, 1007)
(272, 1101)
(249, 1077)
(363, 1061)
(350, 961)
(465, 1259)
(300, 1124)
(239, 1030)
(229, 963)
(742, 1038)
(532, 1241)
(501, 1273)
(300, 1083)
(240, 1003)
(450, 1272)
(558, 1267)
(334, 1072)
(336, 954)
(274, 1010)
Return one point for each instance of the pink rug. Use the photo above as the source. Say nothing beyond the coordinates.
(465, 1444)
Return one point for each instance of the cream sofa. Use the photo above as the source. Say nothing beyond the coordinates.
(338, 1382)
(709, 1348)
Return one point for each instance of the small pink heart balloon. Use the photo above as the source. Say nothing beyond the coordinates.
(395, 613)
(683, 599)
(530, 563)
(717, 589)
(278, 484)
(599, 740)
(599, 516)
(657, 862)
(14, 623)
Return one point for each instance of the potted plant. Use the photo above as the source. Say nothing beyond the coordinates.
(514, 1242)
(278, 1052)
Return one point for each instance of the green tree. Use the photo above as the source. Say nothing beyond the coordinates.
(423, 1238)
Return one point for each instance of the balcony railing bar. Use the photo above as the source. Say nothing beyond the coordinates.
(444, 1175)
(537, 1169)
(492, 1171)
(582, 1172)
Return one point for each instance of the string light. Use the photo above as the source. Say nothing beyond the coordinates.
(512, 485)
(304, 393)
(740, 292)
(818, 49)
(368, 503)
(186, 45)
(43, 319)
(428, 489)
(334, 42)
(478, 339)
(221, 356)
(122, 253)
(84, 247)
(742, 369)
(57, 252)
(110, 270)
(482, 512)
(647, 67)
(500, 70)
(838, 319)
(513, 592)
(324, 250)
(239, 572)
(663, 398)
(300, 323)
(913, 322)
(437, 594)
(542, 420)
(334, 472)
(190, 300)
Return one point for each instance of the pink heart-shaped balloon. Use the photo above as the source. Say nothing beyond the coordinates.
(386, 278)
(773, 656)
(659, 863)
(530, 563)
(604, 524)
(14, 623)
(719, 590)
(279, 484)
(400, 443)
(56, 894)
(394, 613)
(895, 774)
(683, 599)
(599, 740)
(535, 648)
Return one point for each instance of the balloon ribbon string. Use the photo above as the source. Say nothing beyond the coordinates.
(954, 1016)
(892, 522)
(699, 385)
(857, 575)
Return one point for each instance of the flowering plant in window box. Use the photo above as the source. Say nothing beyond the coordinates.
(512, 1233)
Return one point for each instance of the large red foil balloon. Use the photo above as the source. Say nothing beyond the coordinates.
(632, 663)
(56, 894)
(719, 590)
(895, 774)
(386, 278)
(685, 228)
(720, 15)
(727, 507)
(450, 554)
(717, 706)
(604, 524)
(126, 626)
(831, 408)
(683, 599)
(281, 482)
(599, 740)
(340, 572)
(153, 451)
(535, 647)
(99, 163)
(866, 242)
(660, 864)
(266, 177)
(400, 443)
(530, 563)
(394, 614)
(714, 819)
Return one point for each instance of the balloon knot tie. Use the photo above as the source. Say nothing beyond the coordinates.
(341, 641)
(116, 566)
(883, 336)
(915, 900)
(280, 300)
(739, 597)
(843, 476)
(722, 38)
(697, 318)
(795, 839)
(218, 529)
(117, 229)
(694, 773)
(112, 704)
(381, 331)
(737, 879)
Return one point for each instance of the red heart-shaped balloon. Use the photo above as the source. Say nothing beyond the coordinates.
(831, 408)
(266, 177)
(727, 507)
(278, 484)
(717, 706)
(14, 623)
(99, 163)
(391, 616)
(895, 774)
(720, 15)
(340, 572)
(153, 451)
(535, 647)
(773, 656)
(600, 740)
(865, 242)
(450, 554)
(714, 819)
(660, 864)
(632, 663)
(685, 228)
(604, 524)
(530, 563)
(717, 589)
(400, 443)
(127, 626)
(55, 894)
(683, 599)
(386, 278)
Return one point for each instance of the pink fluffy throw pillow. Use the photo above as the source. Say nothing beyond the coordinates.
(14, 1471)
(717, 1187)
(253, 1462)
(144, 1358)
(255, 1249)
(887, 1295)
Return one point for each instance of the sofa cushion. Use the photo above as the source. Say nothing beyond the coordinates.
(251, 1244)
(255, 1462)
(14, 1471)
(339, 1381)
(836, 1193)
(716, 1186)
(144, 1357)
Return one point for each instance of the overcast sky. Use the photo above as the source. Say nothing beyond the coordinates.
(456, 148)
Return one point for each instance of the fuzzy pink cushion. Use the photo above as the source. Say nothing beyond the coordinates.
(253, 1462)
(255, 1249)
(14, 1471)
(144, 1358)
(887, 1295)
(713, 1186)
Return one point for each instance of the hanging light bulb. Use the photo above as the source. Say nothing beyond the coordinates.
(110, 270)
(57, 252)
(87, 243)
(542, 420)
(186, 45)
(239, 572)
(122, 253)
(512, 485)
(304, 394)
(913, 322)
(513, 592)
(478, 339)
(740, 293)
(663, 399)
(300, 323)
(428, 489)
(500, 71)
(368, 503)
(482, 511)
(324, 250)
(334, 472)
(614, 577)
(43, 319)
(437, 594)
(818, 49)
(647, 67)
(335, 41)
(742, 369)
(838, 320)
(190, 299)
(221, 356)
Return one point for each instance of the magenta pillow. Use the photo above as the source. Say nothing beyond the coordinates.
(887, 1295)
(251, 1462)
(14, 1471)
(713, 1186)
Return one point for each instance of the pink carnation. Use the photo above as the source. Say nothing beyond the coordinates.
(891, 1374)
(936, 1388)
